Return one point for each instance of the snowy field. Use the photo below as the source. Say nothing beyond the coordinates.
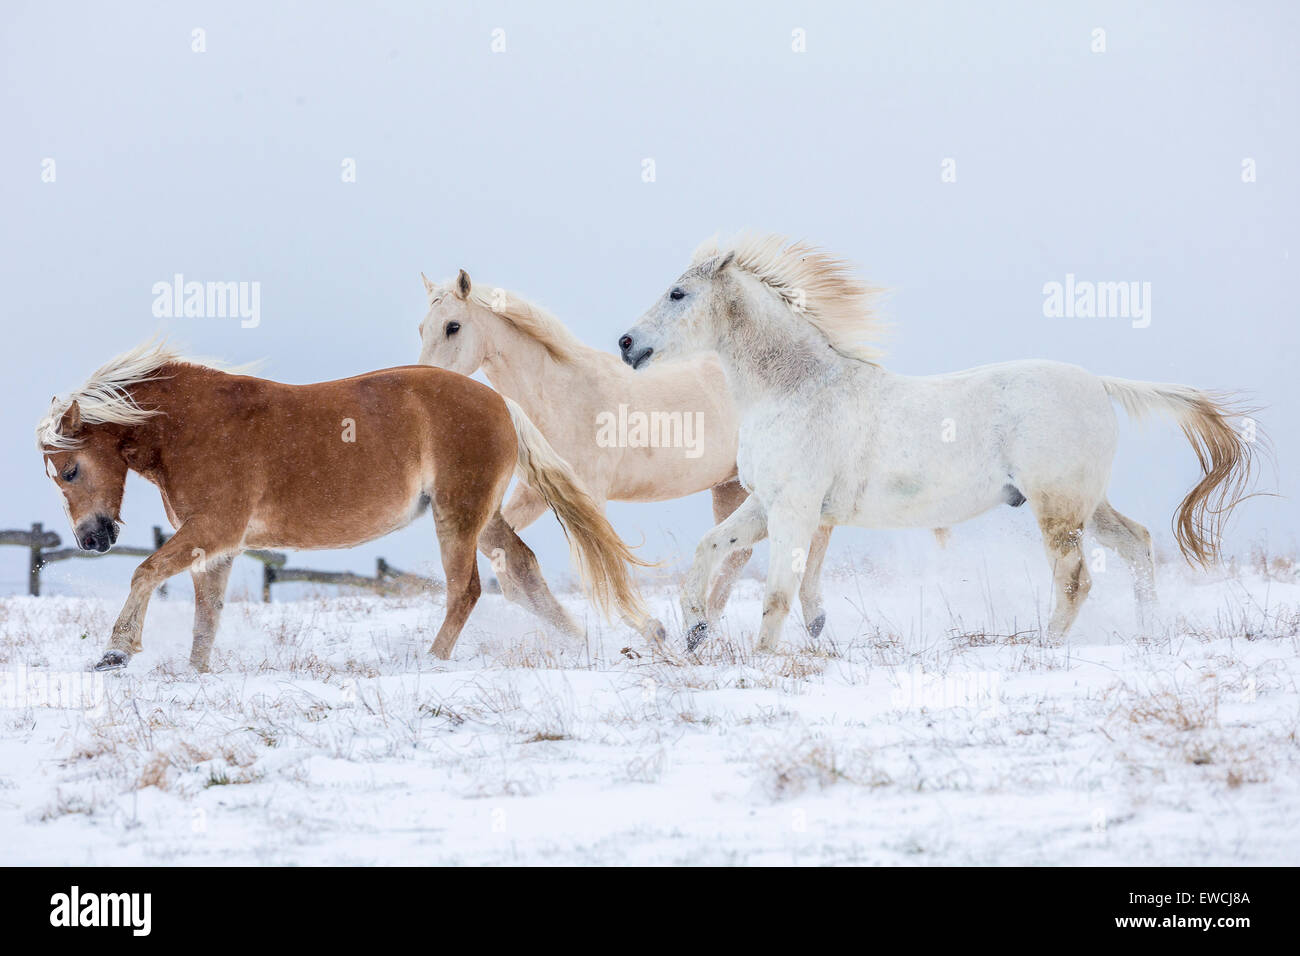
(927, 725)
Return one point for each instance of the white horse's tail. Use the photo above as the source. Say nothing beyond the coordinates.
(1225, 452)
(600, 554)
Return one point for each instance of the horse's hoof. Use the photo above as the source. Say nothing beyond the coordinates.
(113, 661)
(696, 635)
(816, 624)
(656, 633)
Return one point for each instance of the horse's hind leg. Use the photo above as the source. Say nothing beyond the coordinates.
(521, 577)
(210, 581)
(457, 540)
(1132, 543)
(810, 588)
(791, 530)
(1062, 525)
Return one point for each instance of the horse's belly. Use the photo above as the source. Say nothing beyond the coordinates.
(906, 504)
(662, 474)
(882, 516)
(327, 527)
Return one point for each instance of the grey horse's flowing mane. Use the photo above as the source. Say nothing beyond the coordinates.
(817, 286)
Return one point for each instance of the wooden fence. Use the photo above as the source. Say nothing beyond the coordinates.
(44, 548)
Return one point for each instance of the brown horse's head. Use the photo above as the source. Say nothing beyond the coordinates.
(86, 463)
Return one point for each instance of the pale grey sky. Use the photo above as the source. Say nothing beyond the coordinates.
(525, 167)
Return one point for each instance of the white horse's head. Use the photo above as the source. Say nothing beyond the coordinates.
(685, 319)
(468, 327)
(794, 289)
(451, 336)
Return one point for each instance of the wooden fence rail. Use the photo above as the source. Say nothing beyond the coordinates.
(44, 548)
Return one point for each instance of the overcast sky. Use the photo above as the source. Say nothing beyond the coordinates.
(525, 167)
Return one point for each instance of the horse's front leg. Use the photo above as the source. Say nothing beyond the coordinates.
(727, 497)
(521, 578)
(744, 526)
(791, 531)
(189, 546)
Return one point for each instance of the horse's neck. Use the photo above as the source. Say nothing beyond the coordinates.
(174, 392)
(519, 367)
(772, 352)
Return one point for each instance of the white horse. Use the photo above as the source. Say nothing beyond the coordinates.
(829, 437)
(649, 437)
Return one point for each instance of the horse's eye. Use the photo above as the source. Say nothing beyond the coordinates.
(677, 294)
(452, 328)
(71, 473)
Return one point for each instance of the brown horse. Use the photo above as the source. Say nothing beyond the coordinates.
(243, 462)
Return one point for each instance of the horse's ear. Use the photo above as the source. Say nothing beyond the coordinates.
(428, 286)
(70, 423)
(711, 267)
(462, 283)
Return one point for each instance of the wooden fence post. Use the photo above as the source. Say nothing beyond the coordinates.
(44, 548)
(34, 567)
(159, 539)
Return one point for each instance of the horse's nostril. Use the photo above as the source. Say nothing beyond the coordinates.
(625, 342)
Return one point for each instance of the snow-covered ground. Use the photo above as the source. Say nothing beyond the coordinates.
(928, 724)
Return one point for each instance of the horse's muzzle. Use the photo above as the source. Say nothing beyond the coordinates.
(632, 354)
(97, 534)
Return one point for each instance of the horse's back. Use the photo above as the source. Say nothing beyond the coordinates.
(448, 416)
(1055, 423)
(1026, 389)
(436, 383)
(351, 459)
(941, 449)
(1016, 373)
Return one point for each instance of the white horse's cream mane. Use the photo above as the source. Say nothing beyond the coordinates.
(105, 397)
(530, 319)
(818, 287)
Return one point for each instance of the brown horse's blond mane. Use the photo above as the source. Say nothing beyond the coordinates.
(819, 287)
(105, 398)
(532, 320)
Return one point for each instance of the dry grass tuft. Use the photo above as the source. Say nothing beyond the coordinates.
(787, 771)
